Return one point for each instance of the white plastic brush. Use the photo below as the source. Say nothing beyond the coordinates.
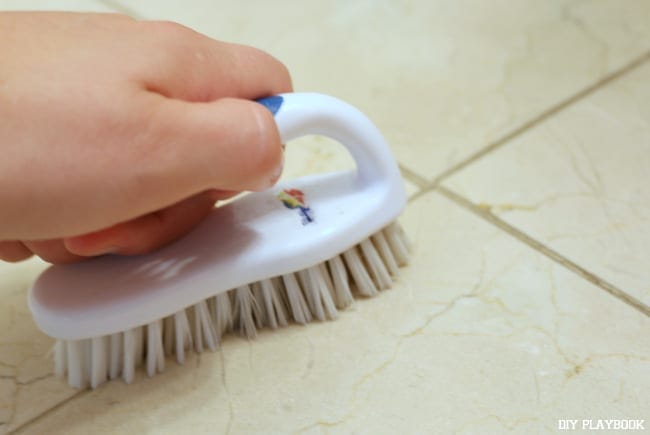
(293, 253)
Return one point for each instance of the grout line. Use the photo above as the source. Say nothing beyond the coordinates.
(413, 177)
(540, 247)
(26, 424)
(420, 193)
(435, 185)
(119, 7)
(420, 182)
(548, 113)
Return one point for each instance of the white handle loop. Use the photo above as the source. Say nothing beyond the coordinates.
(300, 114)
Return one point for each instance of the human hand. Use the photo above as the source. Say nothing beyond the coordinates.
(119, 135)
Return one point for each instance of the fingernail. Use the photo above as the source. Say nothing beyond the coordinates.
(109, 250)
(100, 251)
(278, 171)
(90, 251)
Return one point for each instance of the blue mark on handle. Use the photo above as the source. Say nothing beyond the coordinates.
(272, 103)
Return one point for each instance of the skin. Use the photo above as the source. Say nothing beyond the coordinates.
(118, 136)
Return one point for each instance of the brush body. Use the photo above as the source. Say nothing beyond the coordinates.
(293, 253)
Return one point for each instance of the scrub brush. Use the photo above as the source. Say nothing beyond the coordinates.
(294, 253)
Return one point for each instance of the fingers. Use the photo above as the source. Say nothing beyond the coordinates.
(52, 251)
(14, 251)
(229, 144)
(194, 67)
(138, 236)
(115, 165)
(224, 134)
(145, 233)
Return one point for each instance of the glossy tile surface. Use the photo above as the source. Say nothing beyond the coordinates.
(27, 386)
(487, 331)
(580, 183)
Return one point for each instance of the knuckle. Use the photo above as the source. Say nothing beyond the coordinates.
(169, 33)
(280, 77)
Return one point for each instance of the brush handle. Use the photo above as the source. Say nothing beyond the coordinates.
(300, 114)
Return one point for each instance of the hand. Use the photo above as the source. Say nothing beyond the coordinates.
(119, 135)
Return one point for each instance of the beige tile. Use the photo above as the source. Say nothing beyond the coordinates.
(580, 183)
(27, 387)
(480, 334)
(58, 5)
(442, 78)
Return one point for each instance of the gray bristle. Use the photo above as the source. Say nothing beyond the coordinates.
(313, 293)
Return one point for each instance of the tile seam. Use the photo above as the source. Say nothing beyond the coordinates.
(412, 176)
(545, 250)
(540, 118)
(26, 424)
(119, 7)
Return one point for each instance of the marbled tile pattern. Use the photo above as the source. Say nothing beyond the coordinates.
(580, 183)
(485, 331)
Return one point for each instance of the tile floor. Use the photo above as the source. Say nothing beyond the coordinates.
(523, 132)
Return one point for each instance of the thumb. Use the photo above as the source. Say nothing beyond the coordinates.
(228, 144)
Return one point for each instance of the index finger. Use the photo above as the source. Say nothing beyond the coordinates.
(193, 67)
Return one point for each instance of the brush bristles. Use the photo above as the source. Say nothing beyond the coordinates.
(313, 293)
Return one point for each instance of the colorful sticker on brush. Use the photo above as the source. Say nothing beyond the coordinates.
(294, 199)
